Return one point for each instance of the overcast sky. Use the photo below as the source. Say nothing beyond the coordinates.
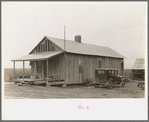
(121, 26)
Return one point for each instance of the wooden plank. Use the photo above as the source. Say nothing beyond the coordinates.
(65, 68)
(85, 67)
(36, 67)
(42, 66)
(68, 69)
(60, 66)
(91, 70)
(14, 70)
(50, 67)
(75, 65)
(47, 45)
(32, 67)
(71, 67)
(74, 69)
(23, 70)
(47, 67)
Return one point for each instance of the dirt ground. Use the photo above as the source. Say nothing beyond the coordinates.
(12, 91)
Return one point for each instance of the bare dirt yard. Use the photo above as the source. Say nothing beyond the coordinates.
(130, 90)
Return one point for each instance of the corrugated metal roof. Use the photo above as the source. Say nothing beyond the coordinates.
(139, 64)
(86, 49)
(38, 56)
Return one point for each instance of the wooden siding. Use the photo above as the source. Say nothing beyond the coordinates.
(89, 63)
(57, 66)
(46, 45)
(69, 70)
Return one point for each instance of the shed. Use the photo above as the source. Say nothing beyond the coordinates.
(138, 70)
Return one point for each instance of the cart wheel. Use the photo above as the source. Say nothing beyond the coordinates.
(123, 84)
(110, 86)
(96, 86)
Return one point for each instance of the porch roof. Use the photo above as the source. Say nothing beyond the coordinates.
(38, 56)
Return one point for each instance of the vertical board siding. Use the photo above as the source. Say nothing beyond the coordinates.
(70, 70)
(89, 64)
(76, 68)
(43, 47)
(56, 66)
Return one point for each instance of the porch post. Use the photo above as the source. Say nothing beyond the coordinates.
(47, 71)
(14, 70)
(42, 63)
(34, 68)
(23, 71)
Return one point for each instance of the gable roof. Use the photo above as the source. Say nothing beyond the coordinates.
(83, 48)
(139, 64)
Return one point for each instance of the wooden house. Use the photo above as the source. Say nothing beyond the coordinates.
(72, 61)
(138, 70)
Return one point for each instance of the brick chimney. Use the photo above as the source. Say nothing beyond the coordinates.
(78, 38)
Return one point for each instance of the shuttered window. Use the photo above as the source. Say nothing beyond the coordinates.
(80, 69)
(99, 64)
(80, 65)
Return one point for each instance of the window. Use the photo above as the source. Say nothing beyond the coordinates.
(80, 62)
(112, 72)
(99, 64)
(80, 66)
(101, 72)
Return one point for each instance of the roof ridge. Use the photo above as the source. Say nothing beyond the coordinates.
(77, 42)
(84, 48)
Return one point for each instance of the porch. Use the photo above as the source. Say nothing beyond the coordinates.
(42, 76)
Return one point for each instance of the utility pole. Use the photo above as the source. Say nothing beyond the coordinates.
(64, 85)
(64, 40)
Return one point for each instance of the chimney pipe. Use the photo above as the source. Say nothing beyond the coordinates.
(78, 38)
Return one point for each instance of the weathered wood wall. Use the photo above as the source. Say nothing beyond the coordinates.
(46, 45)
(89, 63)
(57, 66)
(70, 70)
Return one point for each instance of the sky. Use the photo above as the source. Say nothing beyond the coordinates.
(121, 26)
